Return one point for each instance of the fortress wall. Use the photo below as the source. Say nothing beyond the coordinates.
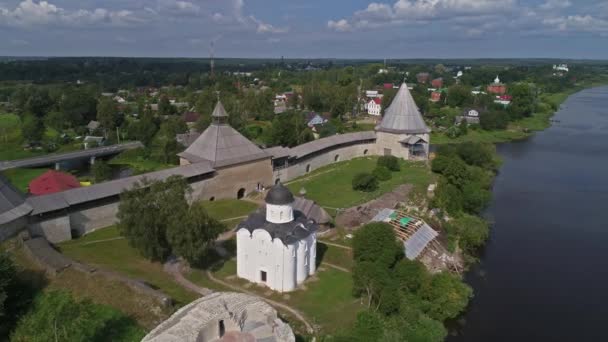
(12, 228)
(88, 220)
(55, 230)
(306, 165)
(227, 181)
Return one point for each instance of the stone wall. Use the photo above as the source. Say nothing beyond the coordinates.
(306, 165)
(229, 180)
(10, 229)
(88, 220)
(55, 230)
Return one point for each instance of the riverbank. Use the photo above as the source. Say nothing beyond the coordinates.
(541, 182)
(519, 129)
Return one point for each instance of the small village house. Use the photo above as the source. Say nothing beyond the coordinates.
(374, 106)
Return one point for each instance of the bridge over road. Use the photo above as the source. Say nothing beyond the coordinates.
(53, 159)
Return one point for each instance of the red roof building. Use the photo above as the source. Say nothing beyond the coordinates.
(191, 117)
(422, 77)
(436, 96)
(437, 83)
(53, 181)
(388, 86)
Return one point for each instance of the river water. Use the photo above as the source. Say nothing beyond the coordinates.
(543, 275)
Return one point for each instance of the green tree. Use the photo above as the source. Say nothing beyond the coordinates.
(56, 316)
(32, 128)
(446, 296)
(425, 329)
(146, 210)
(365, 182)
(164, 145)
(101, 171)
(459, 96)
(457, 173)
(471, 231)
(107, 114)
(475, 198)
(368, 327)
(191, 235)
(376, 242)
(390, 162)
(165, 107)
(382, 173)
(289, 129)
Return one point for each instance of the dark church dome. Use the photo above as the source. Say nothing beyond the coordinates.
(279, 195)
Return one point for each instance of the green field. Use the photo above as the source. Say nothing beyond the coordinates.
(229, 211)
(331, 186)
(138, 161)
(106, 249)
(21, 178)
(326, 300)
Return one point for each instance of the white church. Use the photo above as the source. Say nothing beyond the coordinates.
(277, 246)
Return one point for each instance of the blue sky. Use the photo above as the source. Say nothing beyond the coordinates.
(306, 28)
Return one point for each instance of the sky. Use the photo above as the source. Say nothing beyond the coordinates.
(306, 28)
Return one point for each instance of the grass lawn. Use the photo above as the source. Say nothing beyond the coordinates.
(229, 211)
(21, 178)
(136, 160)
(334, 255)
(331, 186)
(327, 299)
(142, 308)
(117, 255)
(225, 209)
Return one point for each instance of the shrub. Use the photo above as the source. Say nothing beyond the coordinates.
(382, 173)
(390, 162)
(365, 182)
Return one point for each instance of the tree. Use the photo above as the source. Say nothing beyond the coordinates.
(446, 296)
(101, 171)
(32, 128)
(448, 197)
(107, 114)
(382, 173)
(390, 162)
(165, 107)
(365, 182)
(289, 129)
(164, 145)
(368, 327)
(190, 236)
(459, 96)
(56, 120)
(146, 210)
(457, 173)
(13, 299)
(56, 316)
(425, 329)
(475, 198)
(376, 242)
(493, 119)
(471, 231)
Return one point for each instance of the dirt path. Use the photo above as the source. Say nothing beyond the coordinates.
(285, 307)
(336, 245)
(339, 268)
(173, 267)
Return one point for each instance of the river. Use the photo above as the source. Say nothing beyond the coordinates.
(543, 275)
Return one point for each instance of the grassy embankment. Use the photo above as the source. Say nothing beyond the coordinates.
(100, 290)
(519, 129)
(331, 186)
(326, 299)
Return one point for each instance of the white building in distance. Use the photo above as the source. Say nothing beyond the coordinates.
(277, 246)
(374, 106)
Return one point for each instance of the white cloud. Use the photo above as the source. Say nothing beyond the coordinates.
(412, 11)
(578, 23)
(341, 25)
(177, 7)
(30, 14)
(262, 27)
(555, 5)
